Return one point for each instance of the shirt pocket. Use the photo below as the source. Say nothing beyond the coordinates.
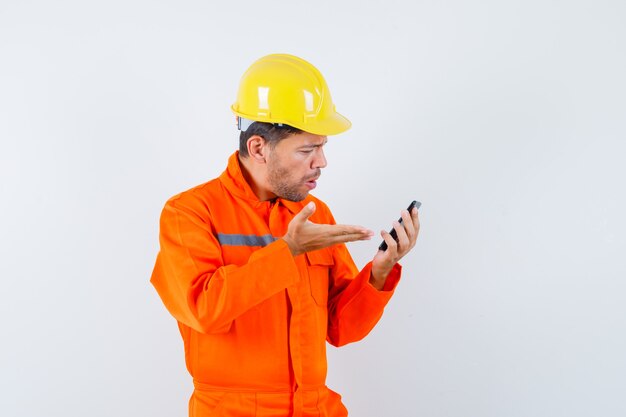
(319, 264)
(206, 403)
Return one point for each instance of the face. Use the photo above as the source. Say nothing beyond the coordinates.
(294, 165)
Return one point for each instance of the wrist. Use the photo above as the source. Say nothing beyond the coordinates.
(291, 245)
(377, 280)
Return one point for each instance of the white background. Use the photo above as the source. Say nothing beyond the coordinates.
(505, 118)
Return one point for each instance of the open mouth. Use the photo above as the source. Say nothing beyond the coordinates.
(312, 183)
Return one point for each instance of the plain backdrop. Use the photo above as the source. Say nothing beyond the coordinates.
(505, 118)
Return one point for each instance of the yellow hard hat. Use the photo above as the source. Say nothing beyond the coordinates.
(285, 89)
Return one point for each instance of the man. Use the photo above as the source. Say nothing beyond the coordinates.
(254, 268)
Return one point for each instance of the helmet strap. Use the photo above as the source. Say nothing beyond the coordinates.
(243, 124)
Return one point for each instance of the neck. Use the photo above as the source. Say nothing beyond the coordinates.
(253, 174)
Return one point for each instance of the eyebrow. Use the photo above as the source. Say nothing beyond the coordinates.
(312, 146)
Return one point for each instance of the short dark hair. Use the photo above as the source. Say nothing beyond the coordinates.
(272, 133)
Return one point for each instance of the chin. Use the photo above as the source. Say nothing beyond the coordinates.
(296, 198)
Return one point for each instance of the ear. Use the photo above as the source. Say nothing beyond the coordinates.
(257, 149)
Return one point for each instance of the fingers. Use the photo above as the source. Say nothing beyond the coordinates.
(392, 245)
(346, 233)
(416, 221)
(401, 233)
(409, 227)
(405, 233)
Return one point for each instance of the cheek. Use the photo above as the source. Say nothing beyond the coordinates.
(299, 164)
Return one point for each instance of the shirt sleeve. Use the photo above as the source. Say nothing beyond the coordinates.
(354, 305)
(195, 286)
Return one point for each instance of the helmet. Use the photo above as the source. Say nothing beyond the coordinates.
(285, 89)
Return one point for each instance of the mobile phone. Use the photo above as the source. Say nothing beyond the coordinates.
(392, 232)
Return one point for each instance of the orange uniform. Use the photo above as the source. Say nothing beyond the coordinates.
(254, 318)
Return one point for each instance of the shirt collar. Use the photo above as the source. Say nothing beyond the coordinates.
(235, 182)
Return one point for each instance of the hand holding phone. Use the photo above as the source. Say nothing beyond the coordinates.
(392, 232)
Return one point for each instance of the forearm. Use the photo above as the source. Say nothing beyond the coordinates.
(357, 309)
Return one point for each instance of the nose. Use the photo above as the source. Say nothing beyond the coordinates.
(320, 159)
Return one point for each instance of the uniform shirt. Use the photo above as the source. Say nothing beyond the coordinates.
(254, 319)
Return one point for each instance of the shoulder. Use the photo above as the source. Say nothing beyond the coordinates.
(196, 201)
(197, 195)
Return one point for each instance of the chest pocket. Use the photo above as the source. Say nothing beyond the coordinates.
(319, 263)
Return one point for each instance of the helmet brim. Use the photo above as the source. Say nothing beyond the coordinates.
(332, 125)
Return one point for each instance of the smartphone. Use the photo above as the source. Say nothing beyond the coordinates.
(392, 232)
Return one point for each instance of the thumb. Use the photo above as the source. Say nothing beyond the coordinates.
(306, 212)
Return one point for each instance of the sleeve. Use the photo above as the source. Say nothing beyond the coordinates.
(354, 305)
(195, 286)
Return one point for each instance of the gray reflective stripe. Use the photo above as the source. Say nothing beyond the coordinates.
(244, 240)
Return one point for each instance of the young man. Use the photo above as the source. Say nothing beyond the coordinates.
(254, 268)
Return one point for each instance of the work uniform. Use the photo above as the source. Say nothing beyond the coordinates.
(254, 318)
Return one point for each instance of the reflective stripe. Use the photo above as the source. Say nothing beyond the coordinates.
(244, 240)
